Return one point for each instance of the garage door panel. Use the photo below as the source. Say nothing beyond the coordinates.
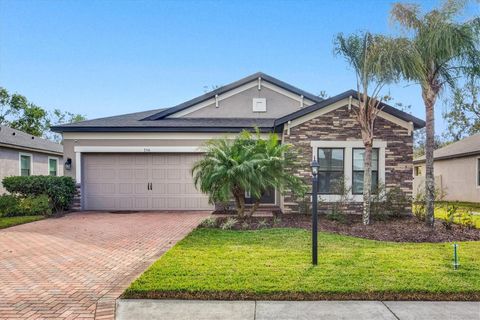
(120, 182)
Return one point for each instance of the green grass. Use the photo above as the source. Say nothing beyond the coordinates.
(6, 222)
(275, 264)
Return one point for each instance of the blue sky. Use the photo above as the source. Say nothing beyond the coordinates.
(102, 58)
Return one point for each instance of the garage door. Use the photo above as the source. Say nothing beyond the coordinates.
(141, 182)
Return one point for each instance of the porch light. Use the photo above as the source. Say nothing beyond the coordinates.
(68, 164)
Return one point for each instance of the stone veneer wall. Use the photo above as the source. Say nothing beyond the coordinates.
(340, 124)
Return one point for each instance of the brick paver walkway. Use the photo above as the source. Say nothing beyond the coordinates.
(75, 267)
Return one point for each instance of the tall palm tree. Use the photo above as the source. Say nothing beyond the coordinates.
(436, 51)
(373, 60)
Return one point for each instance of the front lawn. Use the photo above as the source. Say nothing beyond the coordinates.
(6, 222)
(275, 264)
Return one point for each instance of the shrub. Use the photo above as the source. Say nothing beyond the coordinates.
(60, 190)
(8, 204)
(210, 222)
(392, 202)
(11, 206)
(450, 217)
(228, 224)
(262, 224)
(466, 220)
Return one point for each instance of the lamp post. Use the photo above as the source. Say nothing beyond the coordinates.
(314, 165)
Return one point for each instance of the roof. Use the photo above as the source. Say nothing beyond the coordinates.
(417, 123)
(467, 147)
(157, 120)
(18, 139)
(231, 86)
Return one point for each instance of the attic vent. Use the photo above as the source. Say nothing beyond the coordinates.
(259, 105)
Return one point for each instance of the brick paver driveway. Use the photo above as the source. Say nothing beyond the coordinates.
(76, 266)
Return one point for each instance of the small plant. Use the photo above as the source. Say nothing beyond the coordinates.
(245, 225)
(228, 224)
(450, 217)
(277, 220)
(466, 220)
(210, 222)
(262, 224)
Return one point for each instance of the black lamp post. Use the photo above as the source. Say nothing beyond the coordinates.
(314, 166)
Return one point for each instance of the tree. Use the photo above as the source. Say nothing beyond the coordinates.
(463, 117)
(58, 116)
(437, 50)
(246, 163)
(372, 58)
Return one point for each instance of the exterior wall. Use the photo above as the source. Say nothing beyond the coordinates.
(240, 105)
(340, 125)
(10, 163)
(457, 178)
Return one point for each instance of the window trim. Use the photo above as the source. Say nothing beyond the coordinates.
(342, 171)
(478, 173)
(20, 154)
(353, 167)
(48, 167)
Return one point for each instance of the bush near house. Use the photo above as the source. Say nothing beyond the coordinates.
(11, 206)
(33, 190)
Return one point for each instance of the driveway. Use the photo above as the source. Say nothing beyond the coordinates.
(76, 266)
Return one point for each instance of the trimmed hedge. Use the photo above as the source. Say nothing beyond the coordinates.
(59, 190)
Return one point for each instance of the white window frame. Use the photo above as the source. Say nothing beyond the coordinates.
(48, 166)
(348, 146)
(20, 154)
(478, 173)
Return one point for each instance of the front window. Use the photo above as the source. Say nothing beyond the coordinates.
(358, 159)
(330, 171)
(418, 171)
(25, 165)
(52, 166)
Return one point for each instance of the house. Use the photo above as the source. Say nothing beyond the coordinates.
(456, 168)
(22, 154)
(142, 161)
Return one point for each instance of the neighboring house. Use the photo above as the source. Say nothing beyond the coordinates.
(143, 160)
(456, 168)
(22, 154)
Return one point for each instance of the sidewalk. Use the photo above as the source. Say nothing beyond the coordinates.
(288, 310)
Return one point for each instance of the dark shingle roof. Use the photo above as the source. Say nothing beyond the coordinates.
(467, 147)
(19, 139)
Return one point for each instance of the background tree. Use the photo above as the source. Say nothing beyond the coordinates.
(372, 58)
(436, 51)
(18, 113)
(463, 115)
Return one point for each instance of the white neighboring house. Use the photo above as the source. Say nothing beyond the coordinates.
(22, 154)
(456, 169)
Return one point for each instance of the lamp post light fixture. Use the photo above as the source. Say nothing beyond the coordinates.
(314, 165)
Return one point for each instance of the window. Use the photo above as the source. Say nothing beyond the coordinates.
(418, 171)
(357, 176)
(330, 171)
(52, 166)
(25, 165)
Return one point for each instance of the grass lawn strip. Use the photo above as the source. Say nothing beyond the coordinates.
(275, 264)
(6, 222)
(441, 211)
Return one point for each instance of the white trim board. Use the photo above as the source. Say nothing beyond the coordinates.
(145, 149)
(150, 135)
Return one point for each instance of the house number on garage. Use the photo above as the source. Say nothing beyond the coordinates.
(146, 149)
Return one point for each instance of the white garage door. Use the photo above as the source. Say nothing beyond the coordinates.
(141, 182)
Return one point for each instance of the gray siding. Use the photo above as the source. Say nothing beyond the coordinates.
(240, 106)
(9, 163)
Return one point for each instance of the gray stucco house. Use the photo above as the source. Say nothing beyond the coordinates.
(142, 160)
(456, 168)
(22, 154)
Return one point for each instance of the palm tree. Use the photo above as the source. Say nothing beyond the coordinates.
(246, 163)
(438, 51)
(373, 60)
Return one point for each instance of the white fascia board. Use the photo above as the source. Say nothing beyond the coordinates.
(404, 124)
(150, 135)
(288, 94)
(134, 149)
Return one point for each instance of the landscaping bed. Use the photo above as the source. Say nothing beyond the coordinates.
(276, 264)
(403, 229)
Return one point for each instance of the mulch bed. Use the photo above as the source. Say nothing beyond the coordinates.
(403, 229)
